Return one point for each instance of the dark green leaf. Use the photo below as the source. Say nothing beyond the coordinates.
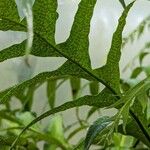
(51, 89)
(123, 3)
(97, 127)
(94, 88)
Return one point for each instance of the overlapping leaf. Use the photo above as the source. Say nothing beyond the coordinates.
(103, 99)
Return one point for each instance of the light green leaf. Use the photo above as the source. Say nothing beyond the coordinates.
(143, 55)
(136, 110)
(133, 92)
(137, 32)
(40, 48)
(44, 28)
(75, 86)
(55, 129)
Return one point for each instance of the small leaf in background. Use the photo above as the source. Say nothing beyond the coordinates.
(142, 56)
(75, 86)
(147, 70)
(49, 147)
(95, 129)
(55, 129)
(25, 118)
(136, 33)
(51, 92)
(77, 45)
(123, 3)
(148, 110)
(136, 72)
(94, 88)
(143, 99)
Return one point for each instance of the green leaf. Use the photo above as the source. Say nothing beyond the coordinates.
(143, 99)
(110, 72)
(103, 99)
(123, 3)
(64, 71)
(45, 17)
(25, 118)
(136, 72)
(49, 147)
(79, 146)
(77, 53)
(137, 32)
(5, 141)
(51, 88)
(97, 127)
(55, 129)
(77, 45)
(9, 12)
(94, 87)
(75, 86)
(142, 56)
